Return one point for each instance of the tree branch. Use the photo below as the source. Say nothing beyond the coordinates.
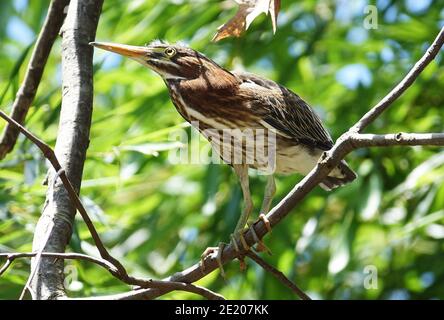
(25, 95)
(71, 145)
(6, 266)
(397, 139)
(169, 286)
(278, 275)
(10, 257)
(405, 83)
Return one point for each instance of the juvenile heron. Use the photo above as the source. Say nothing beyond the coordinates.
(221, 102)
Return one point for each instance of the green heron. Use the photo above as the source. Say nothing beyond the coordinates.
(217, 101)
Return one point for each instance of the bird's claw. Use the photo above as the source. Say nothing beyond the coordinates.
(260, 247)
(240, 235)
(267, 223)
(210, 252)
(243, 265)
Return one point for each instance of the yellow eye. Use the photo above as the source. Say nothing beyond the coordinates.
(170, 52)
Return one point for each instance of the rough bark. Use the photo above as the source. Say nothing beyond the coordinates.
(71, 145)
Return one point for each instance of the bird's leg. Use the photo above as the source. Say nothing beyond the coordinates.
(242, 173)
(270, 190)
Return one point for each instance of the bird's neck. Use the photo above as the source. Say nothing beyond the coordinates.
(212, 78)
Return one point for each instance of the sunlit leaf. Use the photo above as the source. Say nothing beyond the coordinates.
(247, 12)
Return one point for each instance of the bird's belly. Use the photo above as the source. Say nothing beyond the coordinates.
(259, 149)
(296, 159)
(253, 147)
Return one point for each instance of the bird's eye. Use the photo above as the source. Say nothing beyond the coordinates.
(170, 52)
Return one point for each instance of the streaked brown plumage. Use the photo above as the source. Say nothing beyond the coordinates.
(206, 93)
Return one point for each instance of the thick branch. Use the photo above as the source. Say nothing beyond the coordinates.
(25, 95)
(72, 142)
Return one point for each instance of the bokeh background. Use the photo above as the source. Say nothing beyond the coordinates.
(158, 217)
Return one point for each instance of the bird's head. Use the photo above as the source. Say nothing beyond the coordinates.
(170, 61)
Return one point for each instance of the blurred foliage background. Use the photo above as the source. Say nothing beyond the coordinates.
(158, 216)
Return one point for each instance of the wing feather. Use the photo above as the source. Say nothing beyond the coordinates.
(285, 111)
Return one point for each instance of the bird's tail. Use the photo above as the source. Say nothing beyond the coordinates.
(340, 176)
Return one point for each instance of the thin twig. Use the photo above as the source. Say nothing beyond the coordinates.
(400, 88)
(168, 286)
(278, 275)
(5, 266)
(26, 93)
(163, 285)
(10, 257)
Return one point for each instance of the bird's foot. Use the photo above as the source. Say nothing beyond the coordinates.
(213, 252)
(237, 239)
(260, 246)
(267, 223)
(234, 240)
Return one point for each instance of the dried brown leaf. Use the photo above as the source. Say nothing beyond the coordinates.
(247, 12)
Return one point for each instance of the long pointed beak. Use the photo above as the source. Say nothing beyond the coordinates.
(123, 49)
